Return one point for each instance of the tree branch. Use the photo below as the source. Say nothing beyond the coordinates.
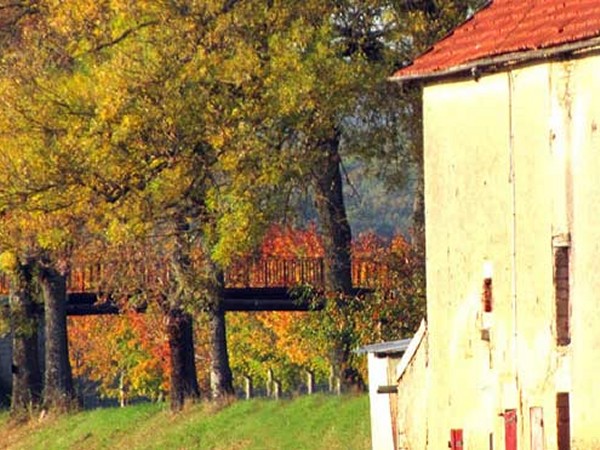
(122, 36)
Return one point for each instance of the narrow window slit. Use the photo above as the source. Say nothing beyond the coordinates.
(562, 295)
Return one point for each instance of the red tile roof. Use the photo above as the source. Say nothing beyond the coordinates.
(508, 26)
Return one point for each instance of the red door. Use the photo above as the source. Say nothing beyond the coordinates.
(456, 439)
(510, 429)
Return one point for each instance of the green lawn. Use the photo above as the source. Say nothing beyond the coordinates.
(316, 422)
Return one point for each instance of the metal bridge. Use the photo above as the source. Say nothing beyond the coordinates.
(258, 284)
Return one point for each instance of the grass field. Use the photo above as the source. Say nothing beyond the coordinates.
(315, 422)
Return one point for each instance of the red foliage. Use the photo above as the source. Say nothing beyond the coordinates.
(286, 242)
(369, 246)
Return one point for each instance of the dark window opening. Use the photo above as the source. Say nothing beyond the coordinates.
(562, 297)
(563, 421)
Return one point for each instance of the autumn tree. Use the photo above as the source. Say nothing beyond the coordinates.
(24, 327)
(34, 240)
(57, 155)
(146, 111)
(173, 123)
(40, 208)
(127, 355)
(292, 343)
(327, 80)
(307, 60)
(38, 292)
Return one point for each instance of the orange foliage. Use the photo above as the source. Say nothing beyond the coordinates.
(129, 350)
(369, 246)
(286, 242)
(134, 346)
(390, 267)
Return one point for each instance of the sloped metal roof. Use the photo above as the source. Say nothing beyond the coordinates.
(384, 348)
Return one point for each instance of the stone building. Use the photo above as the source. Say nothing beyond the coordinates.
(511, 103)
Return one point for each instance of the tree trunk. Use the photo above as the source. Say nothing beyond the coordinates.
(221, 378)
(58, 382)
(180, 328)
(337, 236)
(417, 232)
(27, 377)
(337, 241)
(184, 381)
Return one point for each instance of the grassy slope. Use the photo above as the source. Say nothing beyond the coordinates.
(316, 422)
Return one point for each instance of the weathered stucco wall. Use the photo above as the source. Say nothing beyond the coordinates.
(468, 210)
(382, 436)
(412, 401)
(511, 161)
(581, 99)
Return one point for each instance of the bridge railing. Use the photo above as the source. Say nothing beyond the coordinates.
(275, 272)
(86, 278)
(370, 273)
(287, 272)
(266, 272)
(119, 276)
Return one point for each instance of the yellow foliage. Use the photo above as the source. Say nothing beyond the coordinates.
(8, 261)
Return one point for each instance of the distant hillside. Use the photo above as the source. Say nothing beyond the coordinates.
(373, 203)
(315, 422)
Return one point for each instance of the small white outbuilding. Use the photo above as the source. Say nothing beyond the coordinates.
(383, 359)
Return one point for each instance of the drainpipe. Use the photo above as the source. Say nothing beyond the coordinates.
(512, 180)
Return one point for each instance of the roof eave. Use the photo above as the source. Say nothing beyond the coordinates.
(492, 64)
(385, 348)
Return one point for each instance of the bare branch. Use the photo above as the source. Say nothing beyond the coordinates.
(122, 36)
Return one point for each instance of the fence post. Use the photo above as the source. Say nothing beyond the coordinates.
(276, 389)
(310, 381)
(335, 384)
(331, 377)
(269, 382)
(122, 390)
(248, 387)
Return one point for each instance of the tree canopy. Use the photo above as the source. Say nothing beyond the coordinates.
(182, 128)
